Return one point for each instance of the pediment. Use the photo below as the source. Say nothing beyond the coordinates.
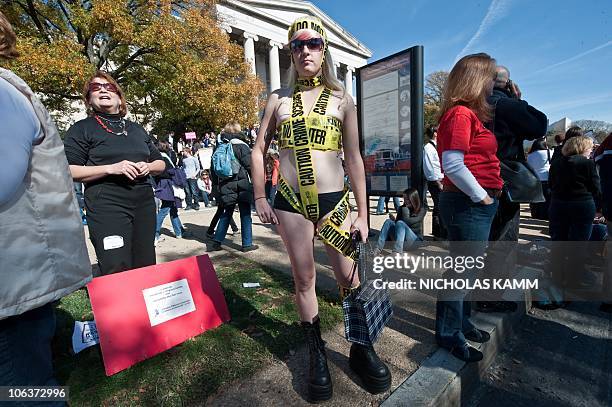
(282, 13)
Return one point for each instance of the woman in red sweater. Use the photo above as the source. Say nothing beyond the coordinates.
(471, 186)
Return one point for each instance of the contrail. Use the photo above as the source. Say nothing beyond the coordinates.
(575, 57)
(497, 10)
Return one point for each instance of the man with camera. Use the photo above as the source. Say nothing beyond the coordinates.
(514, 121)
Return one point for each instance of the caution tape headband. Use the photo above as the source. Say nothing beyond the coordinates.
(307, 23)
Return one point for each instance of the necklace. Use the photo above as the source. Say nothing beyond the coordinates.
(310, 82)
(106, 119)
(123, 132)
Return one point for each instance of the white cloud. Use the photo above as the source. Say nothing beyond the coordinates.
(498, 9)
(571, 59)
(574, 103)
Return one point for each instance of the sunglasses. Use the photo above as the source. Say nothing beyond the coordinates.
(95, 87)
(313, 44)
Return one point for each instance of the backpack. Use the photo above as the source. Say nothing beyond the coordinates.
(224, 161)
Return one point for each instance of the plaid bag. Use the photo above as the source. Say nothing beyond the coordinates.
(366, 309)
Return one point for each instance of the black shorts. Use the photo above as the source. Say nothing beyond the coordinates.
(327, 202)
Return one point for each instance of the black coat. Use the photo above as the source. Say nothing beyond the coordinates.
(415, 222)
(514, 121)
(238, 188)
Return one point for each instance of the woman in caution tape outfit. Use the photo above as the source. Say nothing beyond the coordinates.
(316, 121)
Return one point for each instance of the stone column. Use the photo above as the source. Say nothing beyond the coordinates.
(274, 66)
(336, 66)
(348, 80)
(249, 50)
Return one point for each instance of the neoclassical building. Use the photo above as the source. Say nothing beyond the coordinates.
(261, 27)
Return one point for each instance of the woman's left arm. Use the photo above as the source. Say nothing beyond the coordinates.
(354, 166)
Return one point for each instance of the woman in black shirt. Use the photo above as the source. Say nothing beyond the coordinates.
(114, 157)
(575, 199)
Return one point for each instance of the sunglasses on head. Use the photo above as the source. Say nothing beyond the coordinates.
(313, 44)
(96, 86)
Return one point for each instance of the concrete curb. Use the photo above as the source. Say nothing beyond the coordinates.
(443, 380)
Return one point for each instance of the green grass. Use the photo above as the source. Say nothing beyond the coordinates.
(262, 327)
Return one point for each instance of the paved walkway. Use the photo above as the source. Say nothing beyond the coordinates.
(408, 340)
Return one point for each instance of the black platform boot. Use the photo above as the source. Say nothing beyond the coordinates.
(374, 374)
(319, 380)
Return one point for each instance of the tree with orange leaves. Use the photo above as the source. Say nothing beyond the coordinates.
(174, 62)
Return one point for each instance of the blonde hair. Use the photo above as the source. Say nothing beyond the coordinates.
(8, 39)
(110, 79)
(468, 84)
(577, 145)
(233, 127)
(328, 76)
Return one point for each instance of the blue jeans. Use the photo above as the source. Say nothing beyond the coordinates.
(169, 207)
(192, 193)
(465, 221)
(25, 350)
(382, 200)
(398, 231)
(205, 197)
(246, 223)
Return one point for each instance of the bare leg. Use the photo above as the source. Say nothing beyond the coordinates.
(343, 266)
(298, 233)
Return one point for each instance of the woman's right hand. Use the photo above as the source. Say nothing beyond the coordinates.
(487, 201)
(125, 167)
(265, 212)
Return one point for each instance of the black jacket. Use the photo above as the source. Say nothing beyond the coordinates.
(239, 187)
(415, 222)
(574, 178)
(514, 121)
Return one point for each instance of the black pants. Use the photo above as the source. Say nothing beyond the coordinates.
(570, 221)
(437, 229)
(215, 220)
(121, 221)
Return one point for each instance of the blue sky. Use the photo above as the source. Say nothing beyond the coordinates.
(558, 51)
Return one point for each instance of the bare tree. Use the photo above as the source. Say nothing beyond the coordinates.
(434, 85)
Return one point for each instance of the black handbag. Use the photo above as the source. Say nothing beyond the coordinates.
(367, 310)
(521, 184)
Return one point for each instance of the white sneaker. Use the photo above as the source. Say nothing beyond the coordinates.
(158, 239)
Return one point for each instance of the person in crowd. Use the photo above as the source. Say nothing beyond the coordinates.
(205, 187)
(192, 169)
(539, 158)
(236, 190)
(114, 157)
(574, 131)
(272, 167)
(433, 175)
(603, 159)
(312, 197)
(382, 206)
(210, 232)
(575, 202)
(43, 256)
(471, 187)
(513, 121)
(405, 228)
(78, 190)
(166, 184)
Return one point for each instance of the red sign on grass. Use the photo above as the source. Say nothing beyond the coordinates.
(142, 312)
